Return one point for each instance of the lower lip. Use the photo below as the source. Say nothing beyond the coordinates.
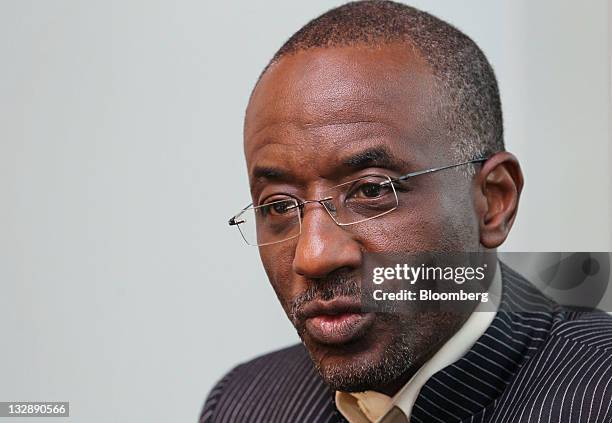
(338, 328)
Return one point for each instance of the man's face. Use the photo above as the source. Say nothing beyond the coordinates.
(322, 117)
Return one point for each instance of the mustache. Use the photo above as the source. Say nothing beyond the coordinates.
(341, 284)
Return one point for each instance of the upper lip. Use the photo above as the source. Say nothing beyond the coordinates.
(336, 306)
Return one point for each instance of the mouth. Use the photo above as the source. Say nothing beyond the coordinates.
(336, 322)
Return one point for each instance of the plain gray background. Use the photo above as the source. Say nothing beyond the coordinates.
(123, 289)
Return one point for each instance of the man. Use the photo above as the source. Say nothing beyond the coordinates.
(359, 97)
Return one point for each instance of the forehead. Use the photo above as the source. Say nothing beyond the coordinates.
(322, 102)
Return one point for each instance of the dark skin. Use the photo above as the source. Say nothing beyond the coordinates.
(308, 123)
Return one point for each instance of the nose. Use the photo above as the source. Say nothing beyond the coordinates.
(324, 247)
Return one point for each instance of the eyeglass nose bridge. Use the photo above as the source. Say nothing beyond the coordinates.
(322, 202)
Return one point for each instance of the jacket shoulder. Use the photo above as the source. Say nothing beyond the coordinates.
(271, 387)
(570, 378)
(590, 328)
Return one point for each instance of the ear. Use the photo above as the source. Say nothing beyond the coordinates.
(498, 187)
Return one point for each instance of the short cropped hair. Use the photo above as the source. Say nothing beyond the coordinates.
(469, 105)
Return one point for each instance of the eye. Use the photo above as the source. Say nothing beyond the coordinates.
(370, 188)
(277, 207)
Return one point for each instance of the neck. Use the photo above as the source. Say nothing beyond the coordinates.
(396, 385)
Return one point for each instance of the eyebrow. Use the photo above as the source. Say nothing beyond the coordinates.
(268, 172)
(376, 156)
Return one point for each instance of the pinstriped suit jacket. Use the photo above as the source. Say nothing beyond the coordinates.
(537, 362)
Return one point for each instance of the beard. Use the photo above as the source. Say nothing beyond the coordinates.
(360, 372)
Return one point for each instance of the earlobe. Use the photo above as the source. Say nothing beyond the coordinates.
(500, 182)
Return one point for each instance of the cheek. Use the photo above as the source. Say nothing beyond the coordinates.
(461, 224)
(277, 262)
(433, 223)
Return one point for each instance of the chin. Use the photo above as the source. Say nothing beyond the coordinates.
(368, 364)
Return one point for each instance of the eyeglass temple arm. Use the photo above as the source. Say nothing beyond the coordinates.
(233, 222)
(435, 169)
